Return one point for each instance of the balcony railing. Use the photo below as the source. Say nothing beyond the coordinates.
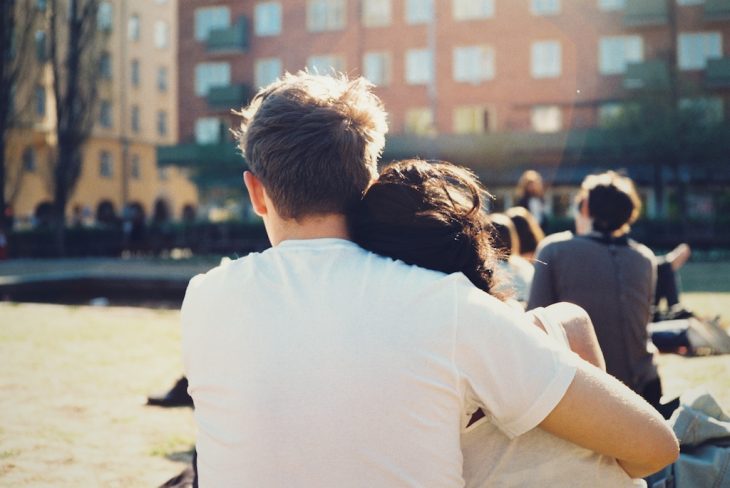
(233, 38)
(648, 74)
(645, 12)
(228, 96)
(717, 73)
(717, 9)
(192, 154)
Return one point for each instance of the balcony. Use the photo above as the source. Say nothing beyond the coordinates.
(192, 154)
(645, 12)
(717, 9)
(233, 38)
(717, 73)
(228, 96)
(648, 74)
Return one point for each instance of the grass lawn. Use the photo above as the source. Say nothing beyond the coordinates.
(74, 380)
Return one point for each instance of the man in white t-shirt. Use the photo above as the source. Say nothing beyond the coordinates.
(317, 363)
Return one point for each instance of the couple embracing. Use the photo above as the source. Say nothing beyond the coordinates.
(365, 348)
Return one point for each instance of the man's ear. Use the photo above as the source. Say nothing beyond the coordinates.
(584, 211)
(256, 193)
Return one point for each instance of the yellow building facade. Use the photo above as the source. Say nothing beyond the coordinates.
(136, 113)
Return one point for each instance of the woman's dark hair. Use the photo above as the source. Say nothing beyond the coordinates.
(428, 214)
(613, 202)
(528, 229)
(505, 240)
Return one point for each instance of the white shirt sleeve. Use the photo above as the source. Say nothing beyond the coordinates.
(506, 365)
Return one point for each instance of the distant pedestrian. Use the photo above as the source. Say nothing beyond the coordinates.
(530, 194)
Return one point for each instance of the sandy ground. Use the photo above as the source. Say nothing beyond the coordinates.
(74, 380)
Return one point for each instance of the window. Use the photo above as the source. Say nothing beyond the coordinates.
(134, 72)
(105, 114)
(161, 34)
(105, 66)
(134, 119)
(208, 130)
(266, 70)
(376, 67)
(694, 49)
(609, 113)
(471, 120)
(546, 118)
(615, 53)
(325, 15)
(326, 63)
(29, 160)
(473, 64)
(707, 111)
(163, 173)
(162, 78)
(419, 11)
(106, 165)
(104, 17)
(545, 7)
(473, 9)
(419, 121)
(545, 59)
(376, 13)
(162, 123)
(211, 18)
(40, 101)
(133, 28)
(211, 74)
(267, 19)
(40, 45)
(419, 66)
(135, 170)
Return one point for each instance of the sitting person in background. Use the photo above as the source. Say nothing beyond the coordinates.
(429, 215)
(528, 231)
(610, 276)
(516, 272)
(667, 286)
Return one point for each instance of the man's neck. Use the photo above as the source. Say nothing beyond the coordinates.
(310, 227)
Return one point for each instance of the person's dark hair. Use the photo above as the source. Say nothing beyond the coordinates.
(528, 230)
(505, 240)
(613, 203)
(313, 141)
(430, 215)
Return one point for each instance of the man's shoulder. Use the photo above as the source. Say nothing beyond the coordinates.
(556, 241)
(643, 251)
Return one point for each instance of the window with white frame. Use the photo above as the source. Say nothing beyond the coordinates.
(608, 5)
(616, 52)
(161, 34)
(419, 11)
(472, 120)
(135, 170)
(267, 19)
(326, 63)
(419, 121)
(376, 13)
(134, 75)
(208, 75)
(134, 119)
(162, 81)
(162, 123)
(705, 110)
(472, 9)
(546, 118)
(326, 15)
(266, 70)
(106, 165)
(545, 59)
(105, 114)
(133, 28)
(211, 18)
(208, 130)
(419, 66)
(545, 7)
(473, 64)
(104, 17)
(695, 48)
(376, 67)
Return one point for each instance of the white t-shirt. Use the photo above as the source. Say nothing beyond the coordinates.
(536, 458)
(317, 363)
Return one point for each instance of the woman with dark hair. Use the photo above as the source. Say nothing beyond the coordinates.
(528, 231)
(516, 272)
(531, 195)
(430, 215)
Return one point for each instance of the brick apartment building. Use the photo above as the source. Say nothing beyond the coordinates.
(498, 85)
